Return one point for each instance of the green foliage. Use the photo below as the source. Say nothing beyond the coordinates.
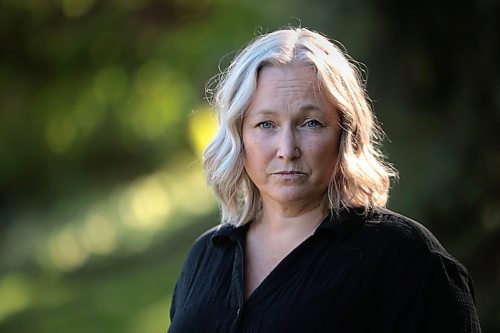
(103, 113)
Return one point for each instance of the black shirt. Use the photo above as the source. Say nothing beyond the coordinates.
(376, 273)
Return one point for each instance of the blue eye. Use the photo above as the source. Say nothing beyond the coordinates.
(265, 125)
(312, 123)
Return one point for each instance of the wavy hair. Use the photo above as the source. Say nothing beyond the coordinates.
(361, 177)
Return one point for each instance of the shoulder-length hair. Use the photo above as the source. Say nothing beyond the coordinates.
(361, 177)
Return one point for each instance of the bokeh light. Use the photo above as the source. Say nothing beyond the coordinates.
(104, 118)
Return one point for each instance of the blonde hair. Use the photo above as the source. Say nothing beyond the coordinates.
(362, 178)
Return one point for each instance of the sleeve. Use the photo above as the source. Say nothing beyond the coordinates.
(189, 269)
(445, 299)
(173, 304)
(176, 297)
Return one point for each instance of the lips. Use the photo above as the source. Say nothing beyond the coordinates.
(291, 173)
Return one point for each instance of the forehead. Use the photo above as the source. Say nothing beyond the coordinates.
(292, 76)
(288, 87)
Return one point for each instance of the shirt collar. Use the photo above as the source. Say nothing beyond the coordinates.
(344, 223)
(229, 232)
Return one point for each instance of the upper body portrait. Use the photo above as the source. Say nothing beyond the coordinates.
(305, 242)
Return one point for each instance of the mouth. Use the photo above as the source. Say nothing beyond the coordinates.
(288, 173)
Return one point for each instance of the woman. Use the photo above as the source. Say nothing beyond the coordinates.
(305, 244)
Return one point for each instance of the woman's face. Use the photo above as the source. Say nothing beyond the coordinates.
(291, 137)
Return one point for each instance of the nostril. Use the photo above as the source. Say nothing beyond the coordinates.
(287, 146)
(289, 153)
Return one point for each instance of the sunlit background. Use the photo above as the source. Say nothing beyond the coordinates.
(104, 117)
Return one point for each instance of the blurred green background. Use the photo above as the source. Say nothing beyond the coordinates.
(103, 117)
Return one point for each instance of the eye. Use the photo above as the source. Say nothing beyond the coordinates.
(265, 125)
(313, 123)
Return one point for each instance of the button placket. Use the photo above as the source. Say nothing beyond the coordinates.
(237, 285)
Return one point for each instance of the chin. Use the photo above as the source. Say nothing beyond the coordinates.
(294, 196)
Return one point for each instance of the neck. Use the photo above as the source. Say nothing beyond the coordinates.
(291, 221)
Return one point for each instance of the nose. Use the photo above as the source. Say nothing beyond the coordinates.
(288, 148)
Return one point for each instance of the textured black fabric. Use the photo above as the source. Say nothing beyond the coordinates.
(377, 273)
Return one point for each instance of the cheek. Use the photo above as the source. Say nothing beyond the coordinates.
(324, 155)
(258, 164)
(256, 157)
(322, 147)
(255, 153)
(256, 147)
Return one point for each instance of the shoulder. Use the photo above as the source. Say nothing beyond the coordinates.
(407, 230)
(383, 230)
(419, 271)
(209, 241)
(398, 240)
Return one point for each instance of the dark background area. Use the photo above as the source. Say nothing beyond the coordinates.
(103, 118)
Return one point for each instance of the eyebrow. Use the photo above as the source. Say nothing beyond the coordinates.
(308, 107)
(303, 108)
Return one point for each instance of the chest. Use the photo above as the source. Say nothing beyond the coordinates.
(366, 283)
(261, 258)
(290, 291)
